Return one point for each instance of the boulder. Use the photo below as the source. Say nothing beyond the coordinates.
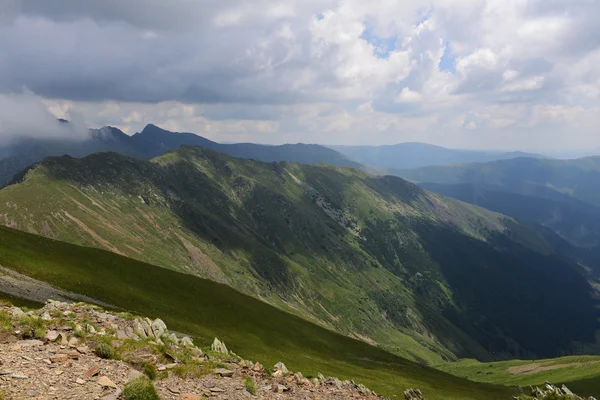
(219, 347)
(186, 341)
(225, 373)
(52, 336)
(413, 394)
(159, 328)
(17, 312)
(281, 367)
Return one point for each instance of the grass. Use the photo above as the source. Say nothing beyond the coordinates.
(249, 384)
(581, 374)
(140, 388)
(249, 327)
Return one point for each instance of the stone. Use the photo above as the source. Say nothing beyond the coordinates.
(189, 396)
(17, 312)
(257, 367)
(73, 342)
(46, 316)
(104, 381)
(219, 347)
(133, 374)
(52, 336)
(93, 371)
(186, 341)
(73, 355)
(83, 349)
(277, 388)
(174, 390)
(281, 367)
(90, 328)
(225, 373)
(19, 376)
(278, 374)
(121, 334)
(30, 343)
(216, 390)
(59, 358)
(413, 394)
(80, 381)
(32, 393)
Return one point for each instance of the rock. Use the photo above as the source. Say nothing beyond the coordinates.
(159, 328)
(17, 312)
(59, 358)
(93, 371)
(73, 355)
(80, 381)
(142, 328)
(89, 328)
(104, 381)
(121, 334)
(63, 339)
(19, 376)
(30, 343)
(281, 367)
(278, 374)
(51, 336)
(83, 349)
(225, 373)
(277, 388)
(189, 396)
(216, 390)
(321, 376)
(186, 341)
(46, 316)
(174, 339)
(257, 367)
(73, 342)
(413, 394)
(174, 390)
(32, 393)
(219, 347)
(133, 374)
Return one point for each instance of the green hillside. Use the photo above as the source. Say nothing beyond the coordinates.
(375, 258)
(580, 373)
(205, 309)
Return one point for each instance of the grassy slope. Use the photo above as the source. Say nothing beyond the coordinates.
(385, 261)
(580, 373)
(206, 309)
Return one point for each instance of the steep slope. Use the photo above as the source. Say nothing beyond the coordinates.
(376, 258)
(205, 309)
(155, 141)
(572, 219)
(551, 179)
(415, 155)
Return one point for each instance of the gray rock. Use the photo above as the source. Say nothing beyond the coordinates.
(46, 316)
(52, 336)
(17, 312)
(413, 394)
(219, 347)
(281, 367)
(133, 374)
(226, 373)
(186, 341)
(159, 328)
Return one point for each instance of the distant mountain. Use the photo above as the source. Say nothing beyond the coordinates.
(561, 180)
(151, 142)
(26, 151)
(373, 257)
(574, 220)
(155, 141)
(415, 155)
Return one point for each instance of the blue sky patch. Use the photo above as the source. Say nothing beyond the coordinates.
(383, 45)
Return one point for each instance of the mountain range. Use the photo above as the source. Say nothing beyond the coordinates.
(152, 141)
(376, 258)
(415, 155)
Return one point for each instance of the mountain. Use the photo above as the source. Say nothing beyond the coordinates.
(375, 258)
(37, 266)
(155, 141)
(151, 142)
(572, 219)
(22, 153)
(415, 155)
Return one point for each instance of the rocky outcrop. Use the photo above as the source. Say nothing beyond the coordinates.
(61, 361)
(549, 391)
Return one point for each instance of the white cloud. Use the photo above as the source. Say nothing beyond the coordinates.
(455, 72)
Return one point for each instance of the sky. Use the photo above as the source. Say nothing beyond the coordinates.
(489, 74)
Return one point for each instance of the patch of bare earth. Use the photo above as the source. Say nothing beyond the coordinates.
(534, 368)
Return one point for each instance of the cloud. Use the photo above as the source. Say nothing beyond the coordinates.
(24, 115)
(335, 71)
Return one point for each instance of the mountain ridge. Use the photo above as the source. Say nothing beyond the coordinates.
(361, 254)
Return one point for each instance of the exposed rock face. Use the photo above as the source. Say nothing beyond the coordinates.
(550, 391)
(413, 394)
(219, 347)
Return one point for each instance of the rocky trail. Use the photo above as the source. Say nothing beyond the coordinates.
(79, 351)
